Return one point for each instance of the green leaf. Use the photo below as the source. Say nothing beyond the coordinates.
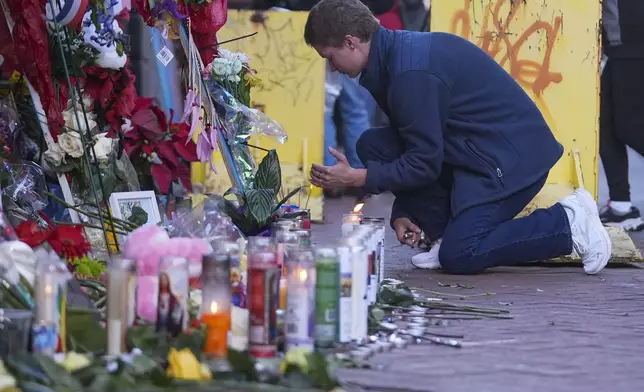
(89, 375)
(242, 362)
(319, 372)
(232, 191)
(143, 365)
(57, 374)
(286, 198)
(152, 343)
(269, 173)
(193, 341)
(24, 366)
(139, 217)
(65, 167)
(395, 294)
(30, 386)
(84, 330)
(294, 378)
(260, 204)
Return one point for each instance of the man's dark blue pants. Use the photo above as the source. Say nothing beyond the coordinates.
(482, 236)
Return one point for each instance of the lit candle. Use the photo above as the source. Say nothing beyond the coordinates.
(350, 221)
(217, 322)
(300, 302)
(217, 297)
(263, 297)
(48, 327)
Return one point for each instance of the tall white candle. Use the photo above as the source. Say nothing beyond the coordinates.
(346, 299)
(359, 286)
(46, 293)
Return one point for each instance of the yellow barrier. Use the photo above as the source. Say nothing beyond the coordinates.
(553, 50)
(292, 94)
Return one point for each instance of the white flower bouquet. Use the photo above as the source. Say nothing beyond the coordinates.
(231, 70)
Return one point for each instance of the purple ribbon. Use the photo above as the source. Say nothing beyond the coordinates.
(169, 6)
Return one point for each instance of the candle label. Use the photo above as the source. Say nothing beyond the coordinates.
(263, 301)
(345, 313)
(327, 295)
(172, 298)
(45, 338)
(131, 300)
(380, 224)
(373, 276)
(300, 314)
(51, 301)
(238, 279)
(381, 255)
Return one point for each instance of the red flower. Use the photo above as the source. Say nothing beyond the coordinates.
(154, 135)
(69, 242)
(113, 91)
(33, 234)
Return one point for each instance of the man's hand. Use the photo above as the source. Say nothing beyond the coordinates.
(339, 175)
(402, 226)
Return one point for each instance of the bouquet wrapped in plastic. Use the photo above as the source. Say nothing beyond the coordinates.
(239, 124)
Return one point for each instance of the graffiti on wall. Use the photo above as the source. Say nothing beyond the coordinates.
(552, 49)
(277, 53)
(496, 33)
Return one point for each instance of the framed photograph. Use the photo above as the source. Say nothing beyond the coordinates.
(128, 206)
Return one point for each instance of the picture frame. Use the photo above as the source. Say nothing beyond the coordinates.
(122, 203)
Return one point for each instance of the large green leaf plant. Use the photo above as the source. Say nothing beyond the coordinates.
(256, 207)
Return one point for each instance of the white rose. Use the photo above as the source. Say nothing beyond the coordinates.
(103, 147)
(236, 66)
(220, 67)
(54, 155)
(71, 120)
(87, 103)
(71, 143)
(234, 78)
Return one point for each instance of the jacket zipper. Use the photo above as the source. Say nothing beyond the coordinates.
(486, 160)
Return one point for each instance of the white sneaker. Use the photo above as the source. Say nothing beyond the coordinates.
(590, 239)
(429, 259)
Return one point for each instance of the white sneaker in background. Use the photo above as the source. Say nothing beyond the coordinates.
(590, 239)
(429, 259)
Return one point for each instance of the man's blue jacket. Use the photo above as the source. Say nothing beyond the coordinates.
(453, 104)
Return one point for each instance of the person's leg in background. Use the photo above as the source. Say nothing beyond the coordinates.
(428, 208)
(354, 115)
(333, 88)
(621, 124)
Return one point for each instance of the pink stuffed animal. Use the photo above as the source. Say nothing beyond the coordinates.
(147, 245)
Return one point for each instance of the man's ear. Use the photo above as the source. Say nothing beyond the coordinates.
(350, 41)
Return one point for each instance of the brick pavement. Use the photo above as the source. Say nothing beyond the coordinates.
(570, 332)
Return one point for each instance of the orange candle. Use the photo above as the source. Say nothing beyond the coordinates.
(217, 322)
(283, 293)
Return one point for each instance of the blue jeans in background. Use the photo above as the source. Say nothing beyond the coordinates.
(354, 115)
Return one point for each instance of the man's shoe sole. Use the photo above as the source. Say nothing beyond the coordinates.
(633, 224)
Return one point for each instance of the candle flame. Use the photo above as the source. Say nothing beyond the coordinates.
(358, 208)
(303, 274)
(213, 307)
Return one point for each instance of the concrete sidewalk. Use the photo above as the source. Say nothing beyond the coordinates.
(570, 331)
